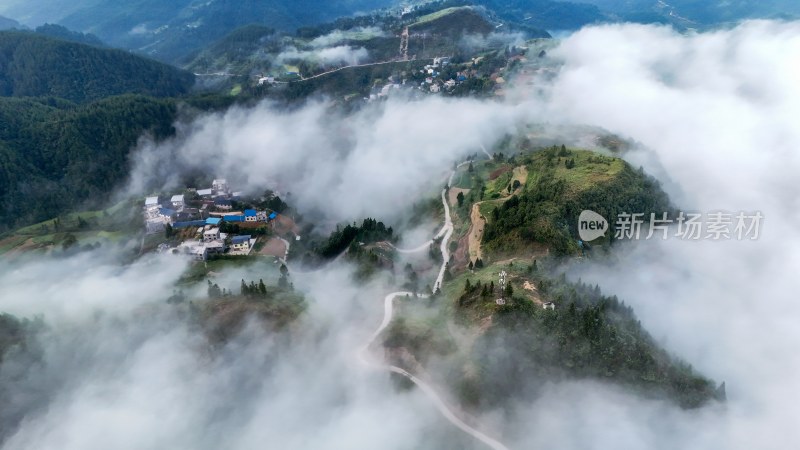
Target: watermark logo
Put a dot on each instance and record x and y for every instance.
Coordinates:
(591, 225)
(716, 226)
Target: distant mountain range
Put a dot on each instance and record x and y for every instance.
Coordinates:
(7, 24)
(32, 65)
(174, 31)
(169, 30)
(697, 13)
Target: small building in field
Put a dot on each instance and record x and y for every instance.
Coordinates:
(195, 249)
(151, 202)
(207, 193)
(199, 253)
(549, 305)
(240, 244)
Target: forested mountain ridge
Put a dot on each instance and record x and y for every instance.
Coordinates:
(33, 65)
(56, 156)
(6, 23)
(169, 31)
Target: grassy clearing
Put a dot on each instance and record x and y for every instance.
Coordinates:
(89, 227)
(590, 170)
(438, 15)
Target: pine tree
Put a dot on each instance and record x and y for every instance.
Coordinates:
(262, 288)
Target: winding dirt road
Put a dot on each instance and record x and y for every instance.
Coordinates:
(388, 311)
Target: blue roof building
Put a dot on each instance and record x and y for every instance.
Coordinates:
(213, 221)
(192, 223)
(272, 216)
(249, 212)
(240, 239)
(167, 212)
(234, 219)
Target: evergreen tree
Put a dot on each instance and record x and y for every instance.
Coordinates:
(262, 288)
(213, 290)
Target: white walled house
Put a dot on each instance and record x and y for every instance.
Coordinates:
(177, 201)
(220, 185)
(211, 235)
(240, 244)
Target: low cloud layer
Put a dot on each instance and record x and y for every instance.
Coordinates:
(378, 161)
(716, 113)
(339, 36)
(717, 110)
(476, 42)
(329, 56)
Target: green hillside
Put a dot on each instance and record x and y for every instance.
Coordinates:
(32, 65)
(510, 344)
(55, 156)
(455, 21)
(560, 184)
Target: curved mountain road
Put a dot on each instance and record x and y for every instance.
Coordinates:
(388, 311)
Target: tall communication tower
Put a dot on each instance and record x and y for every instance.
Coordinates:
(502, 284)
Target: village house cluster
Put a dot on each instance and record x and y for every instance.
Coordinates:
(206, 211)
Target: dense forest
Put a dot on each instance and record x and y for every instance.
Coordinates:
(588, 335)
(33, 65)
(369, 231)
(56, 156)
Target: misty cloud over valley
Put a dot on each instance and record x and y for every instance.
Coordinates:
(711, 114)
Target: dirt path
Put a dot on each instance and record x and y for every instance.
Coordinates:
(275, 247)
(476, 232)
(388, 311)
(478, 224)
(521, 175)
(452, 195)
